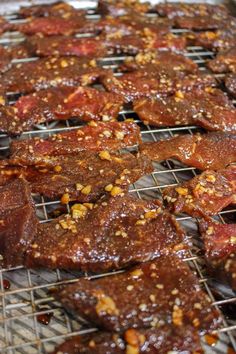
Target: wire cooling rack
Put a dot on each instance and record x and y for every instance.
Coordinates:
(30, 294)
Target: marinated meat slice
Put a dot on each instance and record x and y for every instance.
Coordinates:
(122, 7)
(212, 150)
(222, 39)
(85, 176)
(60, 46)
(220, 249)
(201, 22)
(230, 84)
(167, 41)
(12, 52)
(116, 233)
(18, 222)
(4, 25)
(59, 8)
(153, 81)
(224, 62)
(52, 25)
(5, 60)
(206, 194)
(50, 72)
(166, 60)
(85, 104)
(172, 9)
(144, 296)
(97, 137)
(209, 108)
(154, 340)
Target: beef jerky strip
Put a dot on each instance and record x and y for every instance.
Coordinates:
(145, 296)
(83, 103)
(160, 59)
(204, 22)
(18, 222)
(222, 39)
(122, 7)
(148, 341)
(213, 150)
(4, 25)
(230, 84)
(209, 108)
(96, 137)
(7, 54)
(153, 81)
(224, 62)
(50, 72)
(172, 10)
(220, 249)
(85, 176)
(60, 9)
(115, 233)
(206, 194)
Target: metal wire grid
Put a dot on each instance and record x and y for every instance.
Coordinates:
(29, 295)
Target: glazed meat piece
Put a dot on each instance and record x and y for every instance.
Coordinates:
(206, 194)
(18, 222)
(209, 108)
(153, 81)
(208, 151)
(4, 25)
(116, 233)
(97, 137)
(154, 340)
(85, 176)
(142, 297)
(222, 39)
(12, 52)
(166, 60)
(60, 46)
(230, 84)
(173, 9)
(220, 249)
(59, 8)
(224, 62)
(50, 72)
(83, 103)
(122, 7)
(200, 22)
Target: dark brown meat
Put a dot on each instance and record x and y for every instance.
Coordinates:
(18, 222)
(116, 233)
(50, 72)
(203, 22)
(83, 103)
(122, 7)
(97, 137)
(230, 84)
(59, 8)
(173, 9)
(215, 40)
(209, 108)
(143, 297)
(212, 150)
(153, 81)
(224, 62)
(4, 25)
(220, 249)
(206, 194)
(166, 60)
(149, 341)
(12, 52)
(85, 176)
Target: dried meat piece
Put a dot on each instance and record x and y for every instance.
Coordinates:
(4, 25)
(206, 194)
(85, 176)
(18, 223)
(151, 341)
(224, 62)
(220, 249)
(222, 39)
(153, 81)
(97, 137)
(12, 52)
(199, 23)
(59, 8)
(83, 103)
(122, 7)
(209, 108)
(116, 233)
(207, 151)
(230, 84)
(50, 72)
(145, 296)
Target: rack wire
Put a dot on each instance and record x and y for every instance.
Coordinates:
(30, 296)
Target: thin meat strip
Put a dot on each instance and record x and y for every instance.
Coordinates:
(110, 136)
(200, 23)
(206, 194)
(224, 62)
(59, 103)
(214, 150)
(145, 296)
(115, 233)
(220, 249)
(59, 8)
(230, 84)
(221, 39)
(122, 7)
(209, 108)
